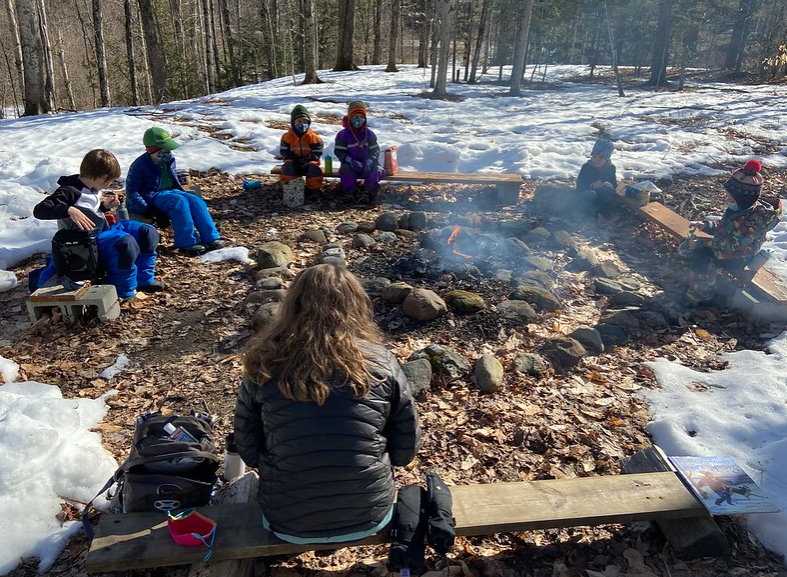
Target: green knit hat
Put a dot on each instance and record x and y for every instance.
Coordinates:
(300, 112)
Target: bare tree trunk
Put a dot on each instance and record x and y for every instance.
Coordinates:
(344, 58)
(101, 58)
(740, 31)
(377, 50)
(479, 41)
(182, 62)
(227, 27)
(445, 10)
(309, 43)
(32, 58)
(423, 36)
(614, 49)
(132, 65)
(49, 63)
(433, 46)
(658, 63)
(88, 52)
(520, 48)
(206, 31)
(396, 7)
(146, 75)
(155, 50)
(14, 25)
(64, 67)
(216, 53)
(273, 60)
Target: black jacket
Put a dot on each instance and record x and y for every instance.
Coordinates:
(72, 192)
(327, 470)
(590, 173)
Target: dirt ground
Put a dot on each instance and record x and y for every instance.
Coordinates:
(186, 345)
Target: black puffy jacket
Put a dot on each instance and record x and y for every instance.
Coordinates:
(327, 470)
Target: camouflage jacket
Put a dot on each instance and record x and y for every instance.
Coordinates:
(740, 233)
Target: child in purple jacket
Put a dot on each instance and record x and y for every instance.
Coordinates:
(357, 149)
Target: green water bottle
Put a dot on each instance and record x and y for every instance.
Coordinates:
(328, 164)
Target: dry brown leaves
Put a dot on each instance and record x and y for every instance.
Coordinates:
(185, 344)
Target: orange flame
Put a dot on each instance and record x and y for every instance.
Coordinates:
(452, 241)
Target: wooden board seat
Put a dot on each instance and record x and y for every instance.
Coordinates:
(766, 283)
(436, 177)
(141, 540)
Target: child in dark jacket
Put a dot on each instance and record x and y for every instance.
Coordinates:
(152, 185)
(357, 149)
(736, 237)
(597, 180)
(325, 413)
(301, 149)
(127, 249)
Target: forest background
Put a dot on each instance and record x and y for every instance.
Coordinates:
(83, 54)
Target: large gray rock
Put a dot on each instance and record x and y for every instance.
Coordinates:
(386, 236)
(537, 235)
(625, 318)
(418, 220)
(612, 335)
(465, 302)
(542, 298)
(606, 286)
(567, 351)
(404, 221)
(396, 292)
(589, 338)
(277, 271)
(269, 283)
(653, 319)
(517, 247)
(586, 259)
(488, 373)
(607, 269)
(366, 226)
(408, 234)
(540, 263)
(374, 286)
(315, 235)
(263, 316)
(424, 305)
(348, 227)
(361, 240)
(387, 221)
(419, 373)
(519, 311)
(274, 254)
(445, 361)
(535, 278)
(266, 295)
(627, 298)
(562, 239)
(529, 364)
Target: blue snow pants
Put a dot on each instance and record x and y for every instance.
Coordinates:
(127, 251)
(186, 211)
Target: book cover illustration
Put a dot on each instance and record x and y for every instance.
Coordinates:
(722, 486)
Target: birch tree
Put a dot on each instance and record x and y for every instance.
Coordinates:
(132, 65)
(396, 7)
(445, 10)
(520, 48)
(155, 50)
(309, 43)
(13, 23)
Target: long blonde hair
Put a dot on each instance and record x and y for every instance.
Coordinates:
(315, 336)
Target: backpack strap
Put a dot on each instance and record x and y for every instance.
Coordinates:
(169, 456)
(115, 478)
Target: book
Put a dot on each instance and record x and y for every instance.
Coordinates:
(722, 486)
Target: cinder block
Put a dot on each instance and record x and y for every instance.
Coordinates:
(508, 194)
(293, 192)
(102, 298)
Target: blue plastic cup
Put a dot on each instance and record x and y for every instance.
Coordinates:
(251, 184)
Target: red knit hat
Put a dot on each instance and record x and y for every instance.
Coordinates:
(745, 183)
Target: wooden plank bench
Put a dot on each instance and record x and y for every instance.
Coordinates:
(141, 540)
(507, 184)
(765, 284)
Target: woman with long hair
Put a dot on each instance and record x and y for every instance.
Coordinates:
(325, 413)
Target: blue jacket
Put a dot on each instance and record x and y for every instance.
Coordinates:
(142, 183)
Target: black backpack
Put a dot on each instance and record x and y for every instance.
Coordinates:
(75, 254)
(162, 474)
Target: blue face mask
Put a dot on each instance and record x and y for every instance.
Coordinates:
(164, 156)
(300, 128)
(357, 122)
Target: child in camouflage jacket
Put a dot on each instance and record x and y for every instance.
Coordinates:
(736, 237)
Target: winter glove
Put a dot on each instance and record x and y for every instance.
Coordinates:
(368, 166)
(409, 530)
(357, 165)
(440, 529)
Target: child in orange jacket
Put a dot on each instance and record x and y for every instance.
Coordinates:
(301, 150)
